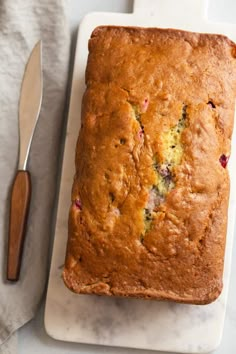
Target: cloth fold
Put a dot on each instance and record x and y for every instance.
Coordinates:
(10, 345)
(22, 24)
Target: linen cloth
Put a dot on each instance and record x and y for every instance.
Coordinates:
(22, 24)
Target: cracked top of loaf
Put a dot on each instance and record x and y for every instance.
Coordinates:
(150, 195)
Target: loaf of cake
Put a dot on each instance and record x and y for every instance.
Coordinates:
(150, 196)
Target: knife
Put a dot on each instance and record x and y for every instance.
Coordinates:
(29, 108)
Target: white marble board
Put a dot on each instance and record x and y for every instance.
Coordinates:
(163, 326)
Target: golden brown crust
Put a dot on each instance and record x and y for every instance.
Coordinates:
(148, 219)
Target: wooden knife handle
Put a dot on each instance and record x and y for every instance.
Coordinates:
(20, 201)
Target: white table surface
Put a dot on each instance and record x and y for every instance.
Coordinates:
(33, 338)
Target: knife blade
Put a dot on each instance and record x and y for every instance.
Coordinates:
(29, 108)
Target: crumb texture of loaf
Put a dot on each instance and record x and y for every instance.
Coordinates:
(150, 195)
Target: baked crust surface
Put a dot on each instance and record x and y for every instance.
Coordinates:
(150, 195)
